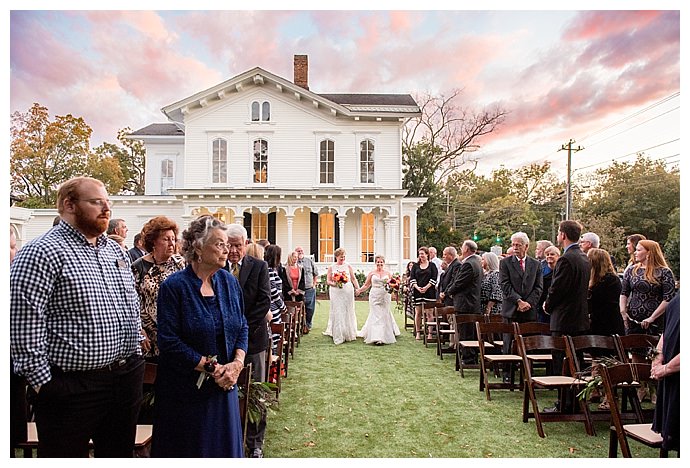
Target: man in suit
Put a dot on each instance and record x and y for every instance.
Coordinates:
(521, 285)
(450, 257)
(137, 251)
(567, 298)
(465, 288)
(252, 274)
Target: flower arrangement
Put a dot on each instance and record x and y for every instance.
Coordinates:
(340, 278)
(393, 284)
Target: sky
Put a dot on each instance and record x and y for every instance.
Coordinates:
(608, 79)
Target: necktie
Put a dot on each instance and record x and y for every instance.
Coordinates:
(236, 270)
(522, 264)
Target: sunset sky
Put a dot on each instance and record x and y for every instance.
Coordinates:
(608, 79)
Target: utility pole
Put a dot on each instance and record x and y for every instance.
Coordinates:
(569, 188)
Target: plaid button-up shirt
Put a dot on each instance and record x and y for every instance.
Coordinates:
(72, 305)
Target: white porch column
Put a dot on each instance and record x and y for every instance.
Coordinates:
(387, 239)
(239, 218)
(341, 228)
(290, 219)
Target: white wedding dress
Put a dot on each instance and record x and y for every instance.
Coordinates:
(342, 321)
(380, 326)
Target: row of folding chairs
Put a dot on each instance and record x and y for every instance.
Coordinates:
(290, 330)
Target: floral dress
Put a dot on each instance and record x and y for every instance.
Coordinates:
(148, 278)
(491, 291)
(644, 297)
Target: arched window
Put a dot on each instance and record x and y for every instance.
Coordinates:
(167, 176)
(260, 161)
(367, 237)
(366, 161)
(261, 111)
(327, 161)
(220, 161)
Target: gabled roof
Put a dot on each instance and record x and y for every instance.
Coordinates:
(160, 129)
(371, 106)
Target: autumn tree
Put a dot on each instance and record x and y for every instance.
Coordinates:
(132, 160)
(105, 165)
(45, 153)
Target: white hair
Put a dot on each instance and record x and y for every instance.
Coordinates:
(521, 236)
(236, 230)
(591, 237)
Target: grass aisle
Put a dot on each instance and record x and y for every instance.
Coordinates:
(400, 400)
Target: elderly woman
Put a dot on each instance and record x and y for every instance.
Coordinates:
(552, 255)
(202, 335)
(159, 236)
(491, 294)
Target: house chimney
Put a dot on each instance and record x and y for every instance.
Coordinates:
(302, 71)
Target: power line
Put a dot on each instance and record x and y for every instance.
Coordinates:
(634, 126)
(626, 155)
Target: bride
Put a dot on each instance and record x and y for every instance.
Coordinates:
(342, 321)
(380, 327)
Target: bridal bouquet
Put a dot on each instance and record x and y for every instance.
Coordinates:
(393, 285)
(340, 278)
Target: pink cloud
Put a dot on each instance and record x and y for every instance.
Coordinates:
(400, 21)
(594, 24)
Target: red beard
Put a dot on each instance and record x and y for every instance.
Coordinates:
(91, 227)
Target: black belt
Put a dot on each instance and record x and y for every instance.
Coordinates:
(117, 364)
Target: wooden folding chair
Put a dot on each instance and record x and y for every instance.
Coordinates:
(637, 343)
(445, 330)
(562, 384)
(542, 360)
(300, 318)
(492, 357)
(274, 368)
(613, 377)
(429, 322)
(286, 319)
(293, 317)
(243, 382)
(466, 344)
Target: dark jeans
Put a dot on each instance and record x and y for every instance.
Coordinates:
(100, 405)
(256, 432)
(310, 304)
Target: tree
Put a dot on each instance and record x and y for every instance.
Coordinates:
(132, 162)
(45, 153)
(105, 166)
(450, 131)
(672, 245)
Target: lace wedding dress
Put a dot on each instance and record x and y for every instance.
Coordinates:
(342, 321)
(380, 326)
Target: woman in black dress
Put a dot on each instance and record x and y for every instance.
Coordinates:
(604, 295)
(423, 283)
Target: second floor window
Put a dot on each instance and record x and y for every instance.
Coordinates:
(220, 161)
(327, 161)
(167, 176)
(261, 111)
(366, 161)
(260, 161)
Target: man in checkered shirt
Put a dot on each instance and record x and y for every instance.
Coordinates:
(75, 330)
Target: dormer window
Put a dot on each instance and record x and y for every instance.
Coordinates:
(261, 111)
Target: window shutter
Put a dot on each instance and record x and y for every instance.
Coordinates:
(272, 227)
(336, 233)
(248, 223)
(314, 235)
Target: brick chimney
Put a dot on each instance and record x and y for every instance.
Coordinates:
(301, 64)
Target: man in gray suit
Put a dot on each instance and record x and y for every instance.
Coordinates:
(521, 284)
(465, 288)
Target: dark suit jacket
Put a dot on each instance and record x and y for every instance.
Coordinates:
(135, 254)
(517, 284)
(466, 285)
(256, 290)
(446, 278)
(567, 299)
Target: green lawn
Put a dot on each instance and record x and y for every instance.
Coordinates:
(400, 400)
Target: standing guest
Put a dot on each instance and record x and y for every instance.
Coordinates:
(450, 256)
(119, 239)
(293, 290)
(138, 251)
(423, 285)
(406, 288)
(311, 277)
(272, 255)
(604, 294)
(256, 292)
(342, 320)
(255, 250)
(491, 295)
(433, 258)
(539, 250)
(465, 289)
(263, 243)
(119, 227)
(567, 299)
(75, 330)
(630, 245)
(159, 237)
(552, 255)
(666, 369)
(521, 283)
(200, 321)
(589, 240)
(380, 327)
(648, 286)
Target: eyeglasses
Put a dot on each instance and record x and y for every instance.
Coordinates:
(222, 246)
(97, 202)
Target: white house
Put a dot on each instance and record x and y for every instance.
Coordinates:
(295, 167)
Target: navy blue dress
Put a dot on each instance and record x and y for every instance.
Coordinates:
(188, 421)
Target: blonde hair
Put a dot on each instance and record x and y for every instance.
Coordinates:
(338, 252)
(292, 258)
(655, 260)
(255, 250)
